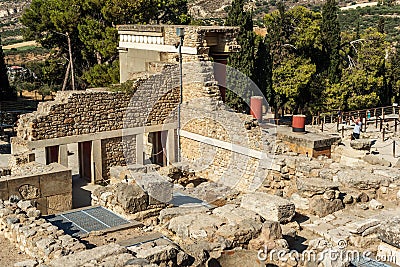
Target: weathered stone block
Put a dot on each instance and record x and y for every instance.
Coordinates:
(156, 186)
(84, 257)
(27, 263)
(56, 183)
(359, 227)
(361, 144)
(58, 203)
(363, 180)
(375, 160)
(271, 230)
(300, 202)
(315, 186)
(16, 187)
(270, 207)
(375, 204)
(169, 213)
(322, 207)
(389, 232)
(131, 197)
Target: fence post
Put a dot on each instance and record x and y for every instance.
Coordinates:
(383, 113)
(337, 125)
(365, 124)
(394, 110)
(376, 123)
(342, 131)
(383, 135)
(322, 127)
(394, 149)
(380, 127)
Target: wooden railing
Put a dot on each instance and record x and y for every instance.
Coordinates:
(346, 116)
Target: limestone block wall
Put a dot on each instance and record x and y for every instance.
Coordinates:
(221, 124)
(212, 120)
(49, 187)
(84, 112)
(74, 113)
(20, 224)
(115, 152)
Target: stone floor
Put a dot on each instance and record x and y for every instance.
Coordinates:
(349, 224)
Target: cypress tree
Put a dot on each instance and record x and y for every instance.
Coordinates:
(5, 89)
(330, 31)
(263, 69)
(242, 61)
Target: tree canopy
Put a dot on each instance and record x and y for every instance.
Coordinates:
(90, 25)
(6, 91)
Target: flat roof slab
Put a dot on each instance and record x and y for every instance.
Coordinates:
(307, 139)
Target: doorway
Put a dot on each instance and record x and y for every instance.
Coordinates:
(159, 153)
(85, 160)
(52, 154)
(220, 73)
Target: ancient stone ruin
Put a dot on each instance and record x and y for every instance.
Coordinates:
(228, 190)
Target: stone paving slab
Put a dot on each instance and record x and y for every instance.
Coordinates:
(321, 229)
(358, 227)
(140, 239)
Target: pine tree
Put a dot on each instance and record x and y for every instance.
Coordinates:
(5, 89)
(330, 31)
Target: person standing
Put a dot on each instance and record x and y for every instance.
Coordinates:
(357, 128)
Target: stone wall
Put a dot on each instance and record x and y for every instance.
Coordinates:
(20, 223)
(49, 187)
(209, 118)
(115, 151)
(84, 112)
(74, 113)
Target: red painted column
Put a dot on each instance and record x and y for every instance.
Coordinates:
(256, 107)
(299, 123)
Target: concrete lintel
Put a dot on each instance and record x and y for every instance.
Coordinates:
(159, 48)
(228, 146)
(138, 33)
(98, 136)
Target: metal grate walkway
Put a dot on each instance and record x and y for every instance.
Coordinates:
(76, 223)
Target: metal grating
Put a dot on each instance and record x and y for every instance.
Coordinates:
(179, 199)
(84, 221)
(367, 262)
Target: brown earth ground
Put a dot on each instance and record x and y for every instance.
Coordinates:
(9, 254)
